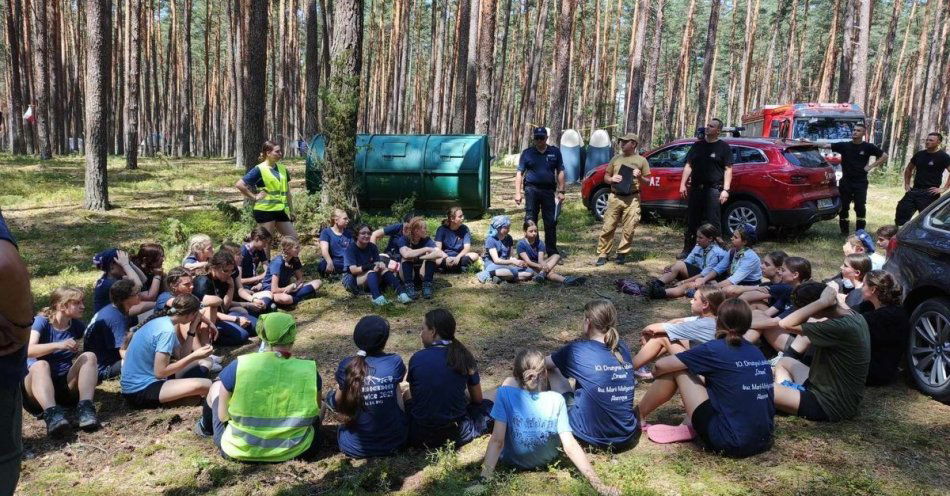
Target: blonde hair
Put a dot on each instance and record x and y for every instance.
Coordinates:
(288, 242)
(602, 315)
(197, 242)
(337, 213)
(712, 295)
(60, 298)
(529, 369)
(450, 214)
(415, 223)
(856, 243)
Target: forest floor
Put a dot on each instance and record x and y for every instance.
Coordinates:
(897, 445)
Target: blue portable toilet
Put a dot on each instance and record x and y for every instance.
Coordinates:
(599, 149)
(571, 144)
(316, 154)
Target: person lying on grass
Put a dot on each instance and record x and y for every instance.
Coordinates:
(697, 269)
(830, 389)
(265, 406)
(675, 336)
(531, 251)
(58, 375)
(531, 422)
(369, 395)
(150, 379)
(445, 402)
(726, 388)
(600, 406)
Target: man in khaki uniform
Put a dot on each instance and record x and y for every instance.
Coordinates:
(624, 174)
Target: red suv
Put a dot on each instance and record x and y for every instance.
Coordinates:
(775, 183)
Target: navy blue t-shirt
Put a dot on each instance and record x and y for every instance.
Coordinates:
(105, 335)
(251, 260)
(59, 361)
(532, 250)
(205, 285)
(405, 242)
(540, 169)
(253, 176)
(502, 245)
(602, 413)
(394, 231)
(337, 244)
(381, 427)
(453, 242)
(438, 392)
(13, 365)
(355, 255)
(100, 293)
(780, 298)
(284, 271)
(739, 383)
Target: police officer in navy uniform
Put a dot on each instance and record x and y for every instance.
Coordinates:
(926, 168)
(854, 176)
(541, 170)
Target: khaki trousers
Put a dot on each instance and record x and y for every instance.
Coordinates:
(625, 212)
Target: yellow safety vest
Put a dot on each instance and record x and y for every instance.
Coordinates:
(275, 189)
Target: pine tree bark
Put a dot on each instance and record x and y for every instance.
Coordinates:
(859, 81)
(562, 55)
(635, 63)
(882, 69)
(185, 102)
(847, 52)
(932, 97)
(461, 65)
(471, 75)
(41, 79)
(346, 53)
(649, 81)
(745, 75)
(132, 8)
(98, 44)
(831, 56)
(681, 72)
(312, 61)
(56, 85)
(486, 61)
(252, 15)
(706, 81)
(14, 93)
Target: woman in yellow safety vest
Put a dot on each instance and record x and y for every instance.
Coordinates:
(265, 407)
(272, 183)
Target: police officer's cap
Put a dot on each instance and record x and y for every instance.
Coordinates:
(540, 132)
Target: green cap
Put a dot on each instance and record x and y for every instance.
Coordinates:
(277, 328)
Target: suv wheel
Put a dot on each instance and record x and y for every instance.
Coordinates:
(744, 212)
(598, 202)
(928, 348)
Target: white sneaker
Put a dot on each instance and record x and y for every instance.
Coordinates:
(215, 358)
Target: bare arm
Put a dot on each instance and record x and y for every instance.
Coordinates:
(667, 365)
(475, 394)
(687, 171)
(579, 458)
(495, 445)
(908, 175)
(245, 190)
(37, 350)
(16, 300)
(879, 161)
(376, 236)
(527, 260)
(163, 368)
(793, 322)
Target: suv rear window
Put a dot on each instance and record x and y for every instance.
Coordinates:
(804, 157)
(940, 218)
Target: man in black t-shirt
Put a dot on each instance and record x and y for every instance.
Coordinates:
(926, 167)
(854, 176)
(709, 165)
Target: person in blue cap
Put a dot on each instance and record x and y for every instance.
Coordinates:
(114, 265)
(541, 175)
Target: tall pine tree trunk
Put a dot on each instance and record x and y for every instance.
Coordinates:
(635, 75)
(342, 106)
(98, 72)
(562, 57)
(461, 65)
(859, 81)
(312, 61)
(132, 85)
(253, 80)
(14, 93)
(847, 52)
(41, 79)
(708, 56)
(649, 81)
(486, 61)
(681, 70)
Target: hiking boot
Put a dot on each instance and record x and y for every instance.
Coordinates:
(381, 300)
(540, 277)
(427, 290)
(404, 298)
(621, 259)
(657, 290)
(410, 290)
(200, 430)
(574, 280)
(56, 423)
(601, 261)
(86, 413)
(497, 280)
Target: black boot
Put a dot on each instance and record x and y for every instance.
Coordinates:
(860, 224)
(845, 226)
(56, 423)
(86, 413)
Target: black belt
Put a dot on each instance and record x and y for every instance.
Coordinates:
(542, 186)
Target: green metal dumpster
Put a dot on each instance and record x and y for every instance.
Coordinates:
(442, 171)
(316, 153)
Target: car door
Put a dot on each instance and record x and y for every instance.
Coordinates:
(666, 171)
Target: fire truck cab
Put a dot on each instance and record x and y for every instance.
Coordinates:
(822, 123)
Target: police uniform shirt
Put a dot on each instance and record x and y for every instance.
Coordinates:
(929, 167)
(541, 168)
(854, 158)
(635, 161)
(709, 162)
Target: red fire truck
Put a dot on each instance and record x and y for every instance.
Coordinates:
(822, 123)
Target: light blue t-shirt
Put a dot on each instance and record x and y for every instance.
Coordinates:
(138, 369)
(534, 420)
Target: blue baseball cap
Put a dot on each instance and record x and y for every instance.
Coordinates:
(540, 132)
(866, 240)
(103, 260)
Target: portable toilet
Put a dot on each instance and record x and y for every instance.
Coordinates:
(599, 149)
(571, 145)
(316, 154)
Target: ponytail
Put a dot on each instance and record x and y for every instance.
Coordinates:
(180, 305)
(602, 315)
(529, 369)
(733, 320)
(266, 148)
(885, 287)
(459, 358)
(352, 388)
